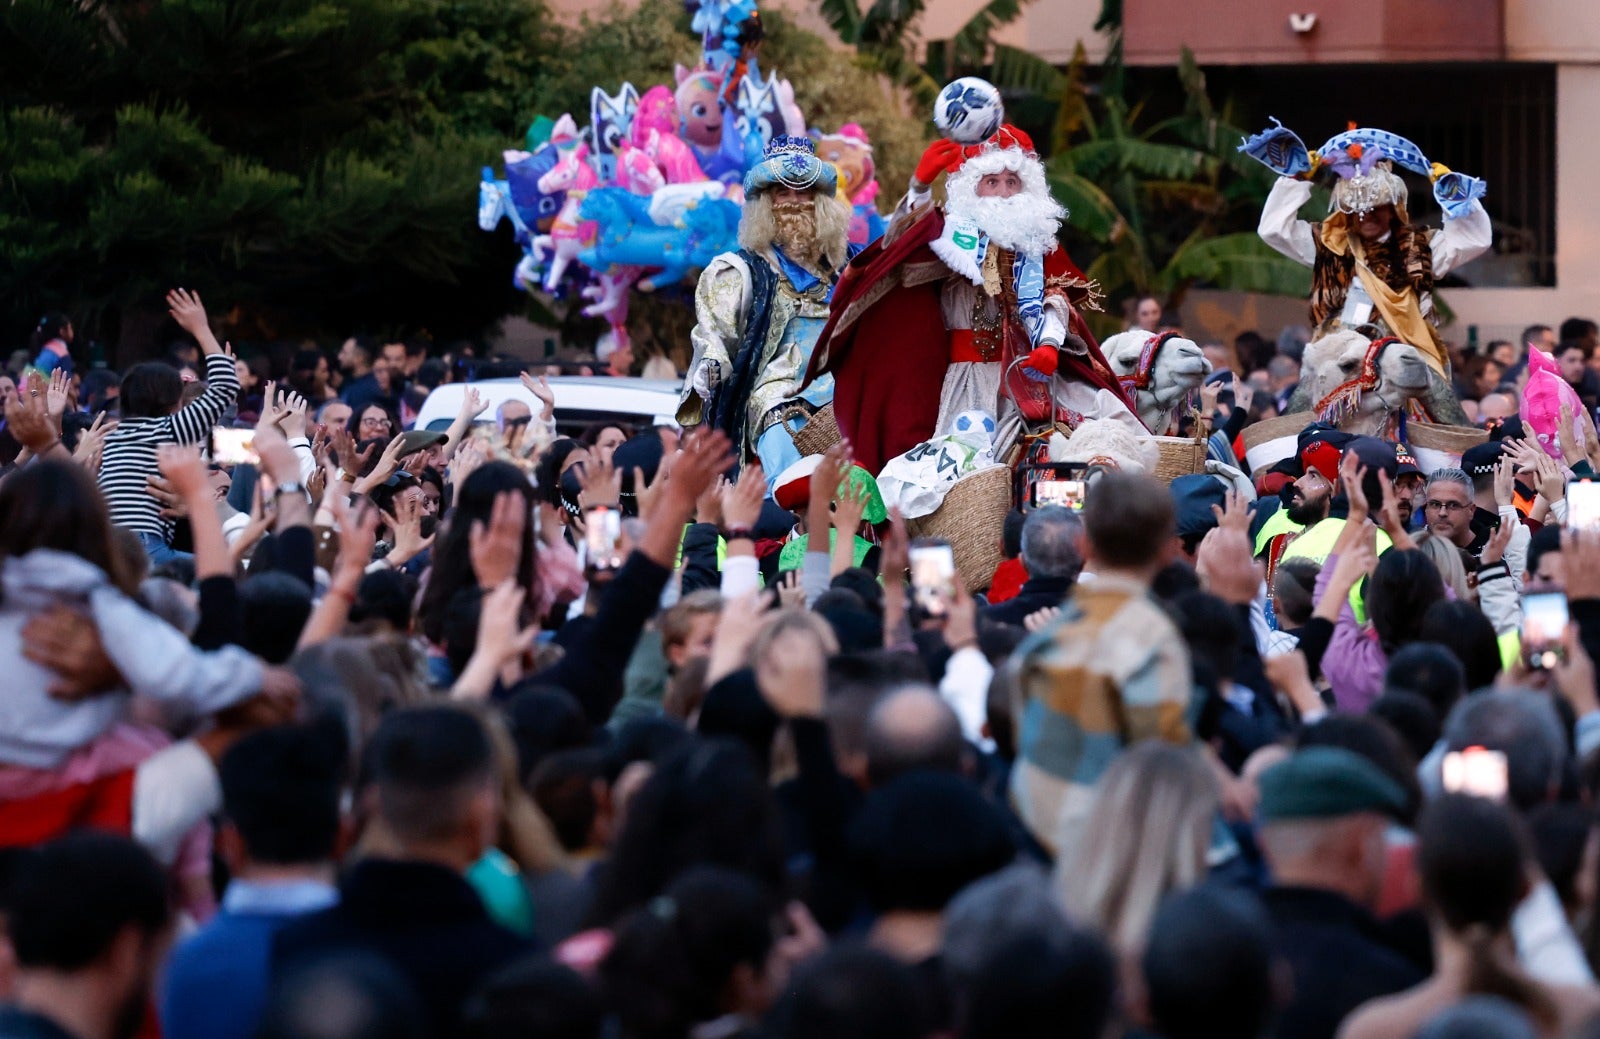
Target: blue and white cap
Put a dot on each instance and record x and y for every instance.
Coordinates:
(791, 162)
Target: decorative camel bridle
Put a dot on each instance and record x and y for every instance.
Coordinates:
(1345, 398)
(1139, 379)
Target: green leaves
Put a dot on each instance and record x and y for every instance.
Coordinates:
(1242, 262)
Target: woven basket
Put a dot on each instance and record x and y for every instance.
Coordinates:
(819, 433)
(1180, 456)
(1454, 440)
(971, 517)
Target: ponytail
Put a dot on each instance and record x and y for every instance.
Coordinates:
(1489, 975)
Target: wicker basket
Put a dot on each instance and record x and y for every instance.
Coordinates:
(1180, 456)
(1453, 440)
(971, 517)
(819, 433)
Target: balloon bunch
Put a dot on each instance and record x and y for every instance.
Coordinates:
(650, 190)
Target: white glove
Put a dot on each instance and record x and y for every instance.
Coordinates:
(707, 378)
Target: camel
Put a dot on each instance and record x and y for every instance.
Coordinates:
(1157, 371)
(1362, 390)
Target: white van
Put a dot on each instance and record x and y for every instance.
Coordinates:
(580, 401)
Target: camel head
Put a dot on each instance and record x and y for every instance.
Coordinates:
(1353, 391)
(1159, 381)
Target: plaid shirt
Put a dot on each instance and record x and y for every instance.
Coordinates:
(1111, 671)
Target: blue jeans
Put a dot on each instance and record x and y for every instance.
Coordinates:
(159, 551)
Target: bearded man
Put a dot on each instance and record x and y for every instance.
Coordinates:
(969, 308)
(758, 311)
(1370, 263)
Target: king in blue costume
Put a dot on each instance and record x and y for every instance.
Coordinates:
(758, 310)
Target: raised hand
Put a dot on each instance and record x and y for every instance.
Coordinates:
(1233, 513)
(540, 388)
(187, 310)
(850, 504)
(57, 395)
(601, 484)
(185, 473)
(405, 528)
(92, 442)
(28, 421)
(388, 463)
(496, 549)
(473, 404)
(741, 502)
(705, 456)
(1227, 566)
(294, 415)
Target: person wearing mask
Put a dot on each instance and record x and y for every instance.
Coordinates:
(1321, 821)
(431, 776)
(1474, 866)
(280, 802)
(88, 923)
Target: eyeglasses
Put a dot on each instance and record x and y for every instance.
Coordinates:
(1445, 506)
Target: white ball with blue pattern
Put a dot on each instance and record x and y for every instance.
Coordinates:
(969, 110)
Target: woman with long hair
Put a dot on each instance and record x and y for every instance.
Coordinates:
(1147, 836)
(1474, 864)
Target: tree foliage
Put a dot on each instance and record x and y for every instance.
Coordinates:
(302, 160)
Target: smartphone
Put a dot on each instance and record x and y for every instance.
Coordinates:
(1583, 505)
(1477, 772)
(1544, 622)
(233, 446)
(1068, 493)
(602, 535)
(933, 575)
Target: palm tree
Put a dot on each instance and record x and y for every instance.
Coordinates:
(884, 35)
(1155, 208)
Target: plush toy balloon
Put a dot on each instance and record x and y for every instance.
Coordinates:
(625, 235)
(709, 127)
(851, 155)
(655, 129)
(1541, 404)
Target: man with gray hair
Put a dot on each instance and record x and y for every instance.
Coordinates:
(1053, 557)
(1461, 506)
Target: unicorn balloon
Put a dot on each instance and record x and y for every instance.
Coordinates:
(569, 234)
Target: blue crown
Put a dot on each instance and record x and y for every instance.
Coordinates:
(783, 144)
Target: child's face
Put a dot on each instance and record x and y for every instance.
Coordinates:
(702, 629)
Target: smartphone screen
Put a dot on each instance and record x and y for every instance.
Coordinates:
(1067, 493)
(933, 575)
(1475, 771)
(1583, 505)
(233, 446)
(602, 532)
(1544, 622)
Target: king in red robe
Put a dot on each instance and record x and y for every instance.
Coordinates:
(971, 307)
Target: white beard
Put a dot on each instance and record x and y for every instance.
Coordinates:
(1024, 223)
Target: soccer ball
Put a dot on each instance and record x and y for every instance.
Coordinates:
(970, 422)
(969, 110)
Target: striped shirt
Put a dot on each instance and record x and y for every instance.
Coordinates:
(129, 459)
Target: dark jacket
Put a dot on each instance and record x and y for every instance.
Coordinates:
(1340, 957)
(1037, 593)
(423, 918)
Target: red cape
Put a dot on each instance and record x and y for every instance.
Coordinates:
(888, 349)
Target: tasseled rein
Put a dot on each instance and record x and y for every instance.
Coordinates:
(1140, 378)
(1345, 400)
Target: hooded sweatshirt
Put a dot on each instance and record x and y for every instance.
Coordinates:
(154, 659)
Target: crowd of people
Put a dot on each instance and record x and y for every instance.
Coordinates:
(371, 735)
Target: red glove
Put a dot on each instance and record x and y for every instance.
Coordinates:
(936, 158)
(1043, 360)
